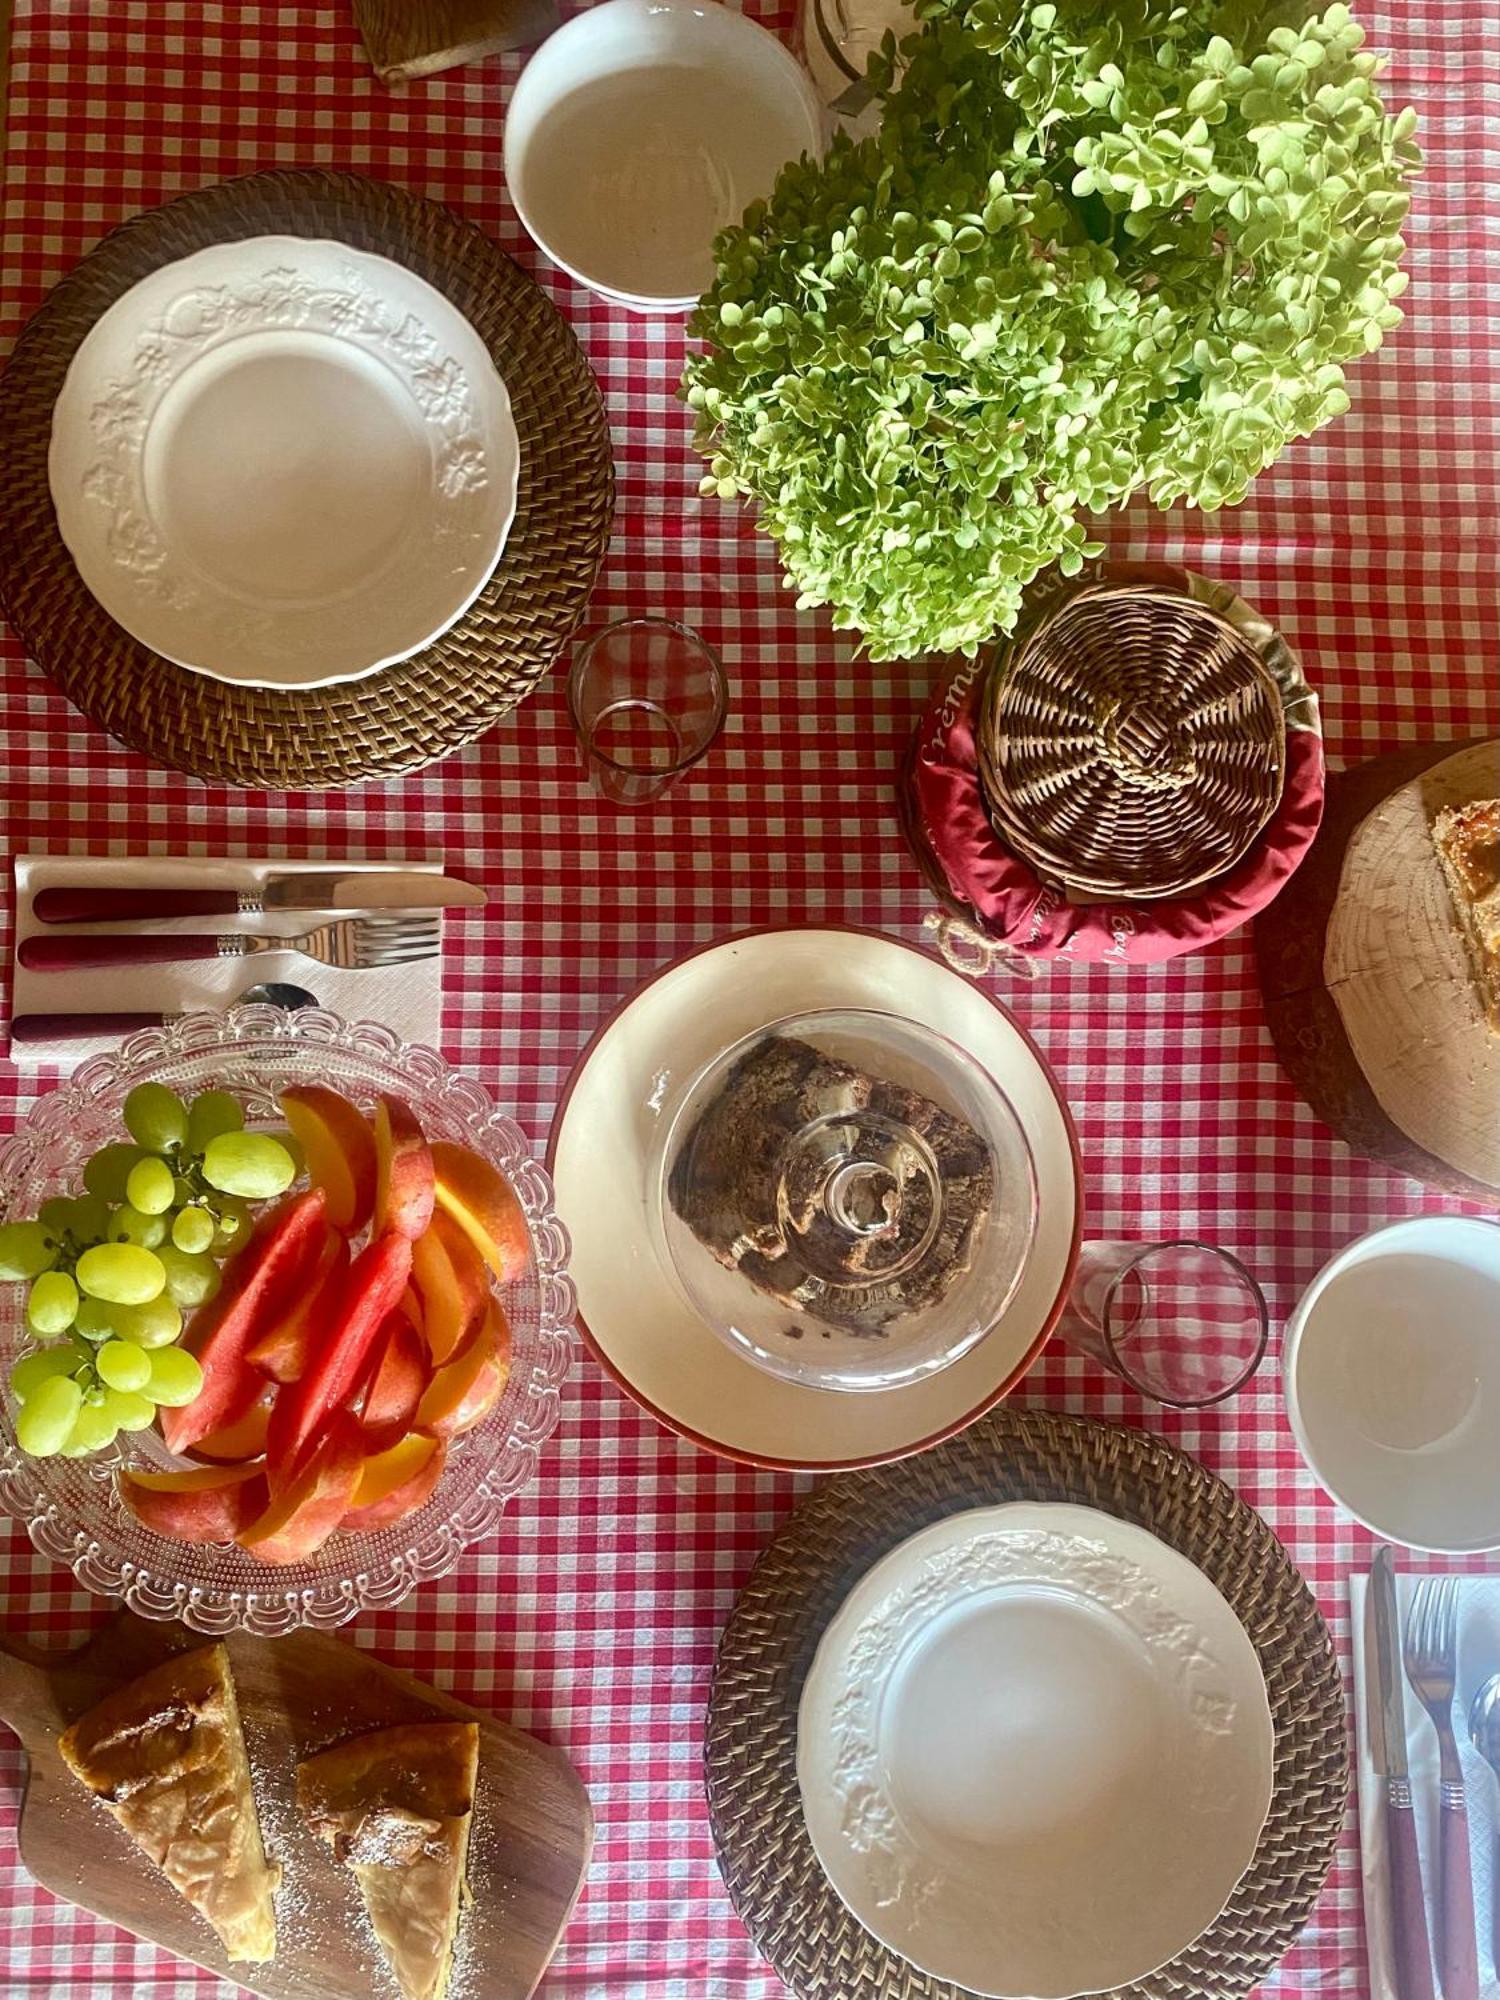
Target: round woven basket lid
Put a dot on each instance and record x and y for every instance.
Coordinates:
(406, 715)
(1131, 740)
(794, 1915)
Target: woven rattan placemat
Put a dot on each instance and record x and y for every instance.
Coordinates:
(392, 721)
(795, 1917)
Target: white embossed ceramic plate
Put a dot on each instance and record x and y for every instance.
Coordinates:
(284, 462)
(1035, 1751)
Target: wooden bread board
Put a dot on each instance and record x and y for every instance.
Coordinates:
(528, 1853)
(1368, 995)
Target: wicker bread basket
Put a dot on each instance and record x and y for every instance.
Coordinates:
(1131, 741)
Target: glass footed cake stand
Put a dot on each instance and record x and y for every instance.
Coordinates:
(847, 1198)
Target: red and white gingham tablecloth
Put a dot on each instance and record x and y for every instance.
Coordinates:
(592, 1616)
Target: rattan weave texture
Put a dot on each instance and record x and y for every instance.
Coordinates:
(844, 1526)
(1131, 741)
(406, 715)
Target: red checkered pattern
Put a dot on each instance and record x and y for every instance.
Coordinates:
(591, 1617)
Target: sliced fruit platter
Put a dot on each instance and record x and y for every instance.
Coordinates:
(270, 1319)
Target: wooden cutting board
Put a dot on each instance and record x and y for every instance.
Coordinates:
(1368, 993)
(528, 1853)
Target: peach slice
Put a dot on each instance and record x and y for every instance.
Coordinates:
(403, 1170)
(484, 1205)
(310, 1506)
(464, 1391)
(385, 1471)
(205, 1503)
(282, 1352)
(411, 1303)
(453, 1284)
(340, 1150)
(395, 1483)
(239, 1441)
(399, 1372)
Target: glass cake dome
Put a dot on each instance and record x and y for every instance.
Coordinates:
(847, 1198)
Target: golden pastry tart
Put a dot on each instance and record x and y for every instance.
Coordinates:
(166, 1755)
(395, 1806)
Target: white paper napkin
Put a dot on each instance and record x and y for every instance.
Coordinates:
(407, 999)
(1478, 1658)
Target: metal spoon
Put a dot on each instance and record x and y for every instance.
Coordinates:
(77, 1027)
(1484, 1729)
(277, 993)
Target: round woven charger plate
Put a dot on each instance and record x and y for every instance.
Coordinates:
(1131, 740)
(845, 1525)
(406, 715)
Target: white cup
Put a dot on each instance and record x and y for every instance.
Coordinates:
(1391, 1365)
(642, 128)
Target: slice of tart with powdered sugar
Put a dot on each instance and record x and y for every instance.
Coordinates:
(396, 1805)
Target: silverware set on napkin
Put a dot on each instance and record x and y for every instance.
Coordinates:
(353, 944)
(1426, 1652)
(398, 920)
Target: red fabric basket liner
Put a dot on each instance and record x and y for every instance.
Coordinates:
(1005, 898)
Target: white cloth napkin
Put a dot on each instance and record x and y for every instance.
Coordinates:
(407, 999)
(1478, 1658)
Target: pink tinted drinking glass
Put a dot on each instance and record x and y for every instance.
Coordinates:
(648, 699)
(1182, 1322)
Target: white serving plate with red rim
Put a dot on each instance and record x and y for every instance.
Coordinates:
(631, 1314)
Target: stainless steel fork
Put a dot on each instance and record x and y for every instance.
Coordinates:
(1430, 1648)
(351, 943)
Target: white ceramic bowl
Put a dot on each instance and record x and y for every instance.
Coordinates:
(1392, 1371)
(641, 129)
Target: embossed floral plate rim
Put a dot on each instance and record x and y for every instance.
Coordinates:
(70, 1508)
(401, 332)
(905, 1886)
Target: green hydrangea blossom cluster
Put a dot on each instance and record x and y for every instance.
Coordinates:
(1097, 245)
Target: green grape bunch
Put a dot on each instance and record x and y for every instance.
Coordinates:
(112, 1271)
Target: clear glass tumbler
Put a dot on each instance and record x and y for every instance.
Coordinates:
(837, 39)
(1183, 1322)
(648, 699)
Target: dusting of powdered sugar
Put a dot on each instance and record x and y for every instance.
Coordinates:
(273, 1777)
(319, 1893)
(390, 1837)
(487, 1908)
(322, 1726)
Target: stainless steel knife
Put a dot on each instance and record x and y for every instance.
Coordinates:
(1385, 1728)
(370, 889)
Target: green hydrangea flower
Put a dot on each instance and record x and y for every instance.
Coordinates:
(1097, 245)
